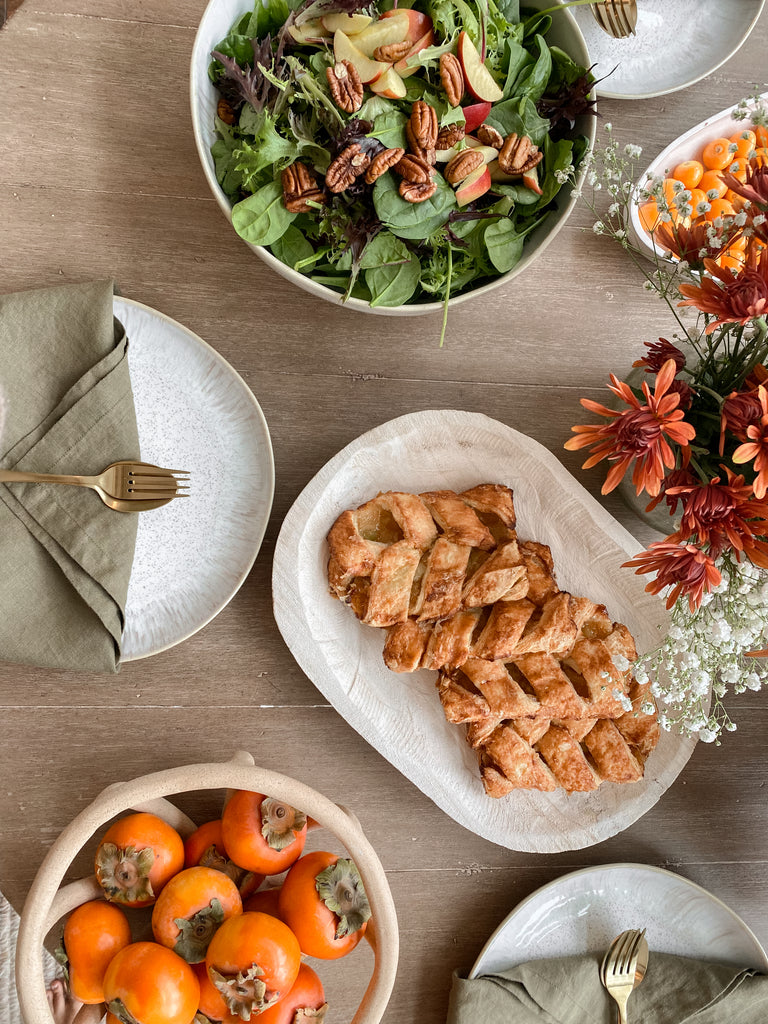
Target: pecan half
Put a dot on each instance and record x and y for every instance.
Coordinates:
(427, 154)
(393, 52)
(348, 165)
(382, 162)
(417, 192)
(423, 125)
(413, 169)
(225, 112)
(518, 154)
(345, 85)
(489, 136)
(462, 165)
(299, 188)
(452, 78)
(448, 137)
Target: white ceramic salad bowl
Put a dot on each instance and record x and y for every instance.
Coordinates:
(215, 24)
(687, 146)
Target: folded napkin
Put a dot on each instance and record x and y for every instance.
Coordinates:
(66, 407)
(568, 991)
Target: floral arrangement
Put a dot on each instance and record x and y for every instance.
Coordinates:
(690, 429)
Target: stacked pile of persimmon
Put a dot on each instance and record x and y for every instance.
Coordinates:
(223, 949)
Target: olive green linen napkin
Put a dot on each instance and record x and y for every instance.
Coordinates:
(67, 407)
(568, 991)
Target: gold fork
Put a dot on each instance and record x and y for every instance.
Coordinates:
(616, 17)
(124, 486)
(617, 971)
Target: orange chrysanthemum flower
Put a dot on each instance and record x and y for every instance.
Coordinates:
(755, 449)
(698, 242)
(738, 299)
(683, 567)
(724, 515)
(638, 435)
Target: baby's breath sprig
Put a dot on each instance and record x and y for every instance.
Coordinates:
(705, 653)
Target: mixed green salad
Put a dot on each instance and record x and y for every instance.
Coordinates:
(277, 108)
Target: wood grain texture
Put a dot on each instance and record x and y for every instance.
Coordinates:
(99, 177)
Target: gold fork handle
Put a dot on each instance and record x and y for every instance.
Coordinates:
(622, 1005)
(16, 476)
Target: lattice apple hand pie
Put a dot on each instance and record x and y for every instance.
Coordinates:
(540, 679)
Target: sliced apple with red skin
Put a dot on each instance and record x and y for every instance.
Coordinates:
(311, 33)
(531, 180)
(402, 67)
(474, 185)
(350, 24)
(475, 115)
(469, 142)
(389, 85)
(479, 79)
(418, 24)
(382, 33)
(369, 70)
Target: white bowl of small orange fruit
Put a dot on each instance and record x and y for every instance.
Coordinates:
(180, 923)
(691, 170)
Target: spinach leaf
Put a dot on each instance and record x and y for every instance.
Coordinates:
(373, 107)
(533, 83)
(412, 220)
(394, 283)
(516, 59)
(504, 244)
(262, 218)
(536, 22)
(384, 248)
(293, 248)
(557, 156)
(389, 129)
(519, 194)
(535, 127)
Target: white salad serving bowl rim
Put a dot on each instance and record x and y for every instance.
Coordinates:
(204, 136)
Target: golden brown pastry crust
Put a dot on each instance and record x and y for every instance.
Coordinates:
(539, 679)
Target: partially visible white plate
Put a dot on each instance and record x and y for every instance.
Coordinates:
(194, 412)
(400, 715)
(677, 43)
(584, 911)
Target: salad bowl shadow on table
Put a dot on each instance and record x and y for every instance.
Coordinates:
(562, 37)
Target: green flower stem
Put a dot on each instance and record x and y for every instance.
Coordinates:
(447, 293)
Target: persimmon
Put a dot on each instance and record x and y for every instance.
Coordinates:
(307, 996)
(323, 902)
(253, 960)
(267, 902)
(94, 933)
(149, 984)
(261, 833)
(205, 847)
(191, 907)
(211, 1002)
(136, 857)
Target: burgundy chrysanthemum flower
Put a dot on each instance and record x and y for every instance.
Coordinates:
(754, 187)
(638, 435)
(740, 410)
(683, 567)
(686, 392)
(658, 353)
(724, 515)
(738, 299)
(755, 449)
(668, 491)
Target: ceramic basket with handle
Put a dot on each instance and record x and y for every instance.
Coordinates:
(48, 901)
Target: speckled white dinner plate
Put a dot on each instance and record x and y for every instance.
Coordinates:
(195, 413)
(401, 715)
(584, 911)
(677, 43)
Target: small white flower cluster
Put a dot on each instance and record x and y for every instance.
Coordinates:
(705, 653)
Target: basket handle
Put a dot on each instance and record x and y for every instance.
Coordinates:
(45, 896)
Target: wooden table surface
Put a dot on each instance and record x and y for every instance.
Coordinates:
(99, 176)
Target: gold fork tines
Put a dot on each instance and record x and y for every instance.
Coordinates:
(125, 486)
(616, 17)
